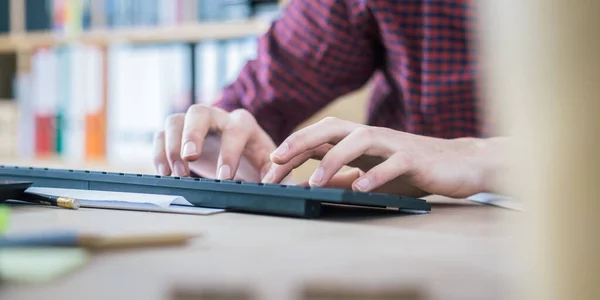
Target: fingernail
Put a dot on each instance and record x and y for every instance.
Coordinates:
(268, 177)
(179, 169)
(224, 172)
(363, 184)
(162, 170)
(189, 149)
(281, 150)
(317, 176)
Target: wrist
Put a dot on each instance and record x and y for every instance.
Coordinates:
(491, 160)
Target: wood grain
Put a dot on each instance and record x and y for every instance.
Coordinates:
(458, 251)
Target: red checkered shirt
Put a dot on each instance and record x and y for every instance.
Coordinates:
(419, 54)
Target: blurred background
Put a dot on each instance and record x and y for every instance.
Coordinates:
(85, 84)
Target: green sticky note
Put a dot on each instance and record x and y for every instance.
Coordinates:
(36, 265)
(4, 214)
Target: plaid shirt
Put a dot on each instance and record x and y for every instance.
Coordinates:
(418, 54)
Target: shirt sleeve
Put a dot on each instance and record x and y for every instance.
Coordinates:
(315, 52)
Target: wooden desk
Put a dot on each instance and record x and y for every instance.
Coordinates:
(459, 251)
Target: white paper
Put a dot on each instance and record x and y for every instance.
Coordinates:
(498, 200)
(128, 201)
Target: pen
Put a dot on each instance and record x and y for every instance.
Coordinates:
(71, 238)
(64, 202)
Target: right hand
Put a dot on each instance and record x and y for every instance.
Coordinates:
(185, 144)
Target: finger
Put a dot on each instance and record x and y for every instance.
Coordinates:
(199, 120)
(357, 143)
(161, 163)
(329, 130)
(304, 183)
(341, 180)
(173, 131)
(258, 149)
(344, 180)
(234, 138)
(364, 162)
(398, 164)
(321, 151)
(278, 172)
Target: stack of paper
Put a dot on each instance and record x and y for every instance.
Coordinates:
(498, 200)
(128, 201)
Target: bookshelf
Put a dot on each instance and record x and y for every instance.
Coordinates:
(344, 108)
(10, 43)
(196, 41)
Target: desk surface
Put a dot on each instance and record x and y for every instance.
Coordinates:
(461, 250)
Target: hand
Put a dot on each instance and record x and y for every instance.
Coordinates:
(387, 160)
(398, 185)
(189, 142)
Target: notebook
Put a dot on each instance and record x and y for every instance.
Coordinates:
(128, 201)
(40, 264)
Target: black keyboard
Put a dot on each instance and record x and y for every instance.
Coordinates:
(241, 196)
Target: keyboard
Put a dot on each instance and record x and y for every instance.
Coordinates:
(237, 196)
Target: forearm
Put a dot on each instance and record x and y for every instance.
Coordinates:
(304, 61)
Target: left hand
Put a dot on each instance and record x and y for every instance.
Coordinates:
(394, 161)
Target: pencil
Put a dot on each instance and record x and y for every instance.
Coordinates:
(42, 199)
(97, 242)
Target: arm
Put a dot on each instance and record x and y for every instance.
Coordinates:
(317, 51)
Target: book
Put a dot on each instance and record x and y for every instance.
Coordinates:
(4, 16)
(140, 99)
(74, 130)
(208, 71)
(72, 17)
(34, 265)
(128, 201)
(45, 100)
(25, 130)
(95, 103)
(63, 80)
(39, 15)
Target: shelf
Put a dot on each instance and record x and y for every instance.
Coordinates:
(164, 34)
